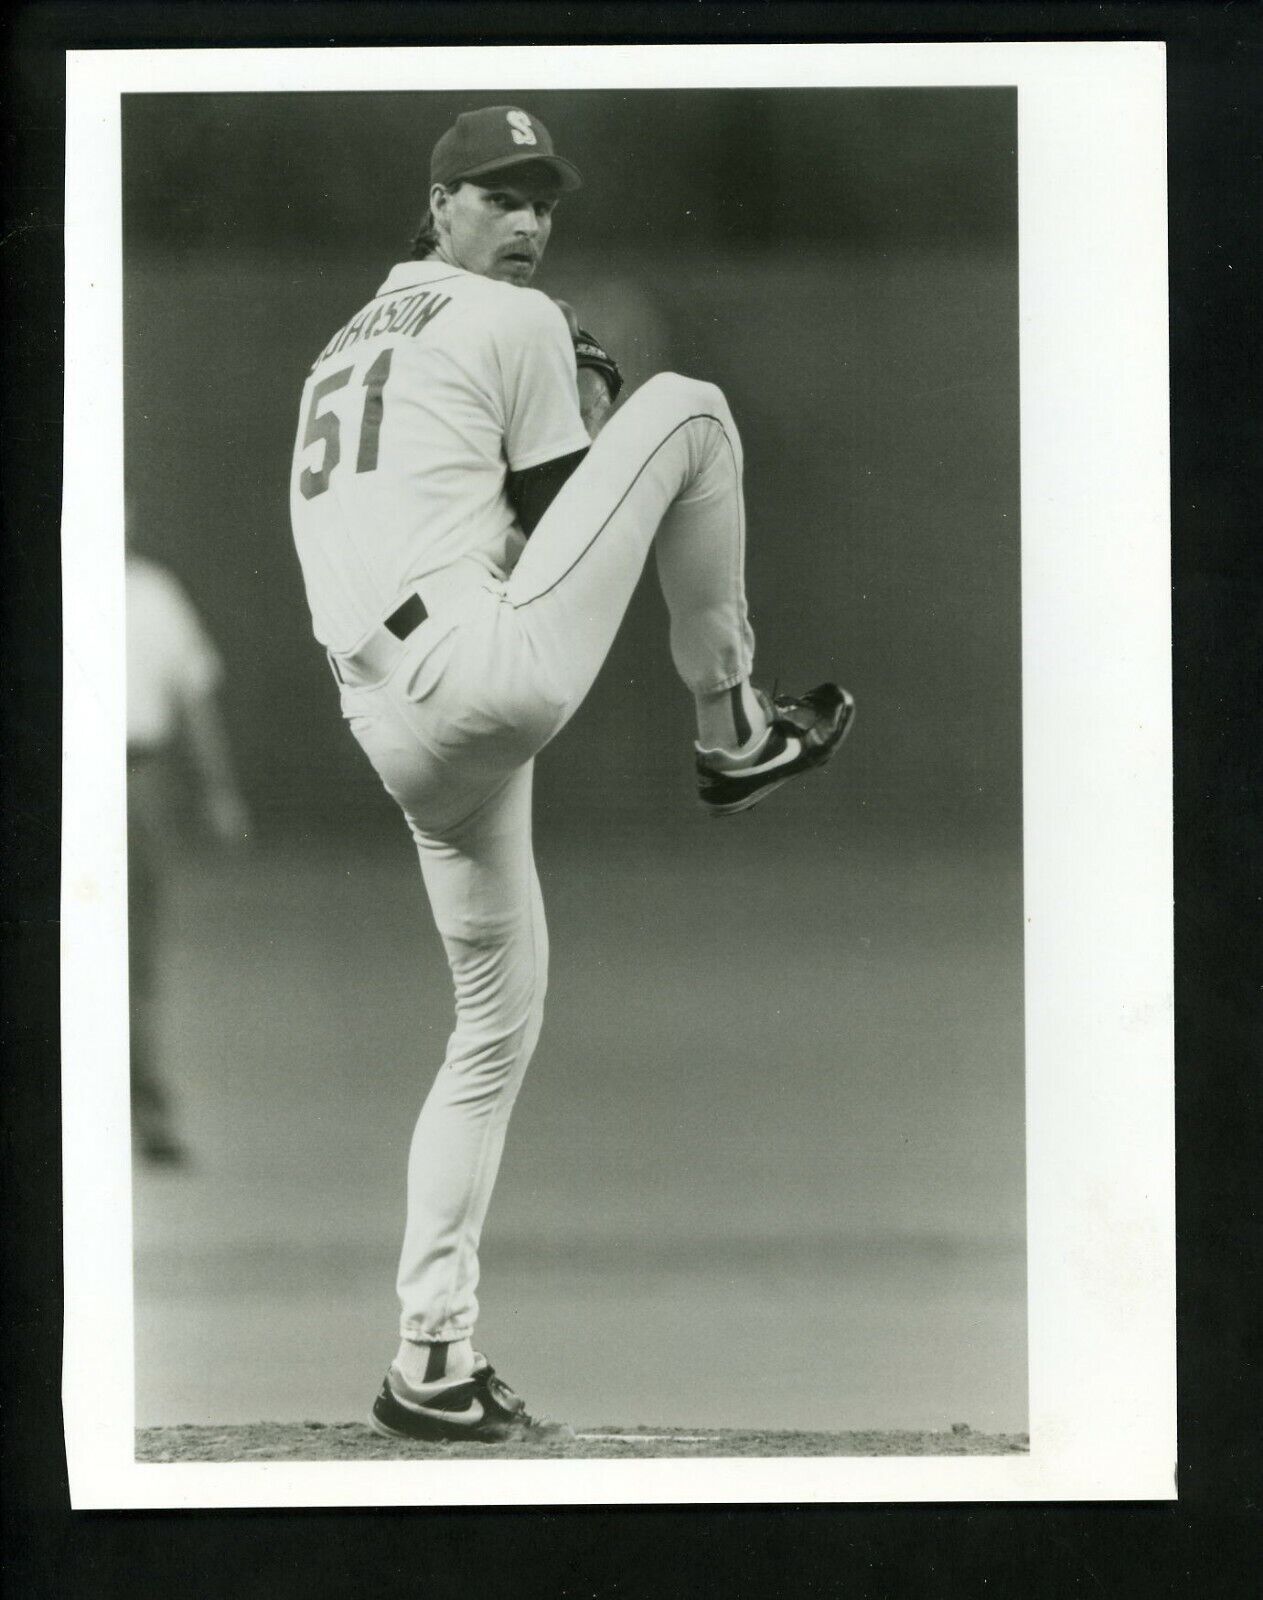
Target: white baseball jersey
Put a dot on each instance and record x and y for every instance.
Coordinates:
(412, 417)
(170, 659)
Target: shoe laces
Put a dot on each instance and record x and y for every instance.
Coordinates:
(503, 1396)
(780, 703)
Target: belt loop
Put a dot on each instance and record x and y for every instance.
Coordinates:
(373, 658)
(407, 618)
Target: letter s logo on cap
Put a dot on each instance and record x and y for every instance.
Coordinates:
(523, 133)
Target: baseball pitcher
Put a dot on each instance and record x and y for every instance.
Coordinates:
(472, 515)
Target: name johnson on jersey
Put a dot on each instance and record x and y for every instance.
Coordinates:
(401, 314)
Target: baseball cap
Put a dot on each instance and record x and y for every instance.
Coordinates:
(497, 136)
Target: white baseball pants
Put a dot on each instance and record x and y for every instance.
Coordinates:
(452, 731)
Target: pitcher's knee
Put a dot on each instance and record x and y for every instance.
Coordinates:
(499, 1005)
(672, 391)
(489, 1059)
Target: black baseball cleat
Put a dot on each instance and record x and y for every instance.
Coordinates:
(479, 1409)
(803, 735)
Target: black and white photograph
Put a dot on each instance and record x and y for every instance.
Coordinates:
(607, 908)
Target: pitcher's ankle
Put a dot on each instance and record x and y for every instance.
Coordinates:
(420, 1363)
(733, 721)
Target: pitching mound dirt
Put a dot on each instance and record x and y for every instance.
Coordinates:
(354, 1441)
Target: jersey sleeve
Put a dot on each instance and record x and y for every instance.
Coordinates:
(541, 395)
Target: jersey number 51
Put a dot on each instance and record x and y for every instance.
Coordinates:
(325, 425)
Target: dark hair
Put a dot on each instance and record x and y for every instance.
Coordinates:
(426, 239)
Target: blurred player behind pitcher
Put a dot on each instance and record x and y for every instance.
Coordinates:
(173, 677)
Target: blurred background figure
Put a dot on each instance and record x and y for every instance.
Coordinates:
(175, 737)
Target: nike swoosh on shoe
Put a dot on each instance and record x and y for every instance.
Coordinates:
(467, 1416)
(786, 748)
(791, 749)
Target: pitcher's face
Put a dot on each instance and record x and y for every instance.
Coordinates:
(499, 232)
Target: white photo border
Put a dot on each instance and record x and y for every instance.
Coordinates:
(1096, 768)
